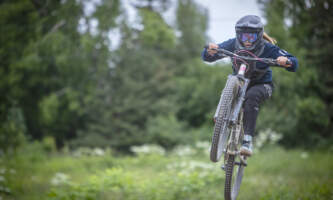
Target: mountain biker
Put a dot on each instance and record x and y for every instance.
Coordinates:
(251, 38)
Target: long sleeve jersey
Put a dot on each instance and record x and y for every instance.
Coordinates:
(270, 51)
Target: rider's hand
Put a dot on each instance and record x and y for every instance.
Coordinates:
(210, 48)
(283, 61)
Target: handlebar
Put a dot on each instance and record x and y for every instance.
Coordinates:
(269, 61)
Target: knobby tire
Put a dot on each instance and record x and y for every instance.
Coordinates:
(221, 133)
(228, 177)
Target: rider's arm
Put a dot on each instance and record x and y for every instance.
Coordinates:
(277, 52)
(228, 45)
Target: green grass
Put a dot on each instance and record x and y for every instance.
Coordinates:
(273, 173)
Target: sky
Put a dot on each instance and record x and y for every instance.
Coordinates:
(223, 15)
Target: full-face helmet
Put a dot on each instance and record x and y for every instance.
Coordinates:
(249, 29)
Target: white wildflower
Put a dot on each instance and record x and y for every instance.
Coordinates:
(200, 165)
(171, 166)
(274, 137)
(2, 179)
(184, 151)
(267, 136)
(4, 189)
(148, 149)
(86, 151)
(82, 151)
(59, 178)
(2, 170)
(186, 168)
(304, 155)
(98, 152)
(7, 190)
(202, 144)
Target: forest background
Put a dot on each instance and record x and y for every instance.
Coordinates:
(65, 85)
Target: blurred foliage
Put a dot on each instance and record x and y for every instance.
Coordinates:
(186, 173)
(167, 131)
(301, 106)
(49, 144)
(64, 74)
(195, 101)
(192, 23)
(156, 32)
(12, 132)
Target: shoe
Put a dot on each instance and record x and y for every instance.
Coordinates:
(246, 148)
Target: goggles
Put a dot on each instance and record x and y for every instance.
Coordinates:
(251, 37)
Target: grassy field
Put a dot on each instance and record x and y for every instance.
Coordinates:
(185, 173)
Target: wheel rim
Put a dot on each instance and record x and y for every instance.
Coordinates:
(238, 180)
(222, 142)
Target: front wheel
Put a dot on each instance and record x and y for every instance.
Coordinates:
(221, 130)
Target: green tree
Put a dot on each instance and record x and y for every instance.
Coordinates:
(199, 84)
(13, 16)
(313, 28)
(302, 100)
(50, 69)
(140, 83)
(192, 24)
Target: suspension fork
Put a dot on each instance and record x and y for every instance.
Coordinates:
(241, 98)
(233, 119)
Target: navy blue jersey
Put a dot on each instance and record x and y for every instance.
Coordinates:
(270, 51)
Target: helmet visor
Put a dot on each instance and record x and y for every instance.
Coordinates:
(250, 37)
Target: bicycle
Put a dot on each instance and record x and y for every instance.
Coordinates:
(228, 129)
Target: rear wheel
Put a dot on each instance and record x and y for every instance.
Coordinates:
(221, 130)
(233, 178)
(235, 163)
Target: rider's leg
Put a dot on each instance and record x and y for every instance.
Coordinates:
(255, 95)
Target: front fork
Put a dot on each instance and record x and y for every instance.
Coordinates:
(233, 119)
(240, 99)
